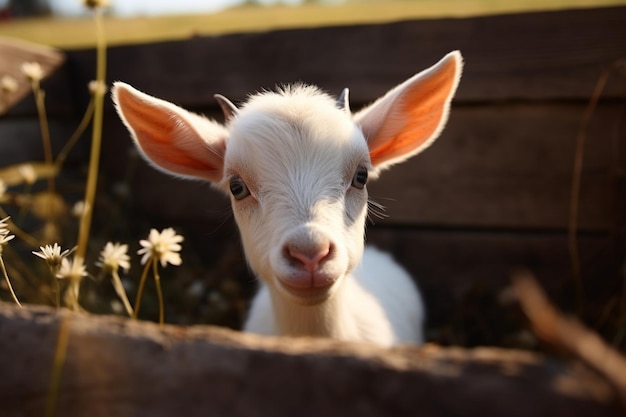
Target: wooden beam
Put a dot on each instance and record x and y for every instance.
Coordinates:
(495, 166)
(115, 366)
(526, 56)
(530, 56)
(465, 275)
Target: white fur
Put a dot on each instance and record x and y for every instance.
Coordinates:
(383, 306)
(302, 222)
(298, 153)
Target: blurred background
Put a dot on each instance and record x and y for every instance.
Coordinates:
(126, 8)
(65, 22)
(491, 195)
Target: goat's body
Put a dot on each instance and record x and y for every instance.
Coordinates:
(378, 303)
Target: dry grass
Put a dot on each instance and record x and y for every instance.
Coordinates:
(78, 33)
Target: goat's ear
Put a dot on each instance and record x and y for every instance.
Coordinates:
(409, 117)
(170, 137)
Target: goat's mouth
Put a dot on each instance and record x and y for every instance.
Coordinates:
(308, 294)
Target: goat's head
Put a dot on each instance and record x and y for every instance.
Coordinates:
(295, 164)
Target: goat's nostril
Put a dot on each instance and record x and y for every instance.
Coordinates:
(310, 258)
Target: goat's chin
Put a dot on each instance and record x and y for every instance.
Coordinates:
(307, 296)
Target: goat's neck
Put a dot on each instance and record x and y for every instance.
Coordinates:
(339, 317)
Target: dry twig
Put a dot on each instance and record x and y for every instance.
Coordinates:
(569, 335)
(620, 67)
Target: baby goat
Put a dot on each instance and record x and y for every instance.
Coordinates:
(295, 163)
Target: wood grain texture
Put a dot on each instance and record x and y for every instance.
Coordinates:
(464, 276)
(115, 366)
(528, 56)
(495, 166)
(500, 166)
(505, 159)
(525, 56)
(20, 139)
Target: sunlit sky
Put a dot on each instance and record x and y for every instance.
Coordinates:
(150, 7)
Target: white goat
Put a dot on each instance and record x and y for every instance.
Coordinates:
(295, 164)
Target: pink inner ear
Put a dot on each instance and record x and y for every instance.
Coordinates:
(168, 138)
(423, 109)
(155, 135)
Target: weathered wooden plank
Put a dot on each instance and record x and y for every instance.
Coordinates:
(509, 166)
(20, 139)
(522, 56)
(506, 166)
(115, 366)
(507, 57)
(464, 276)
(14, 53)
(501, 166)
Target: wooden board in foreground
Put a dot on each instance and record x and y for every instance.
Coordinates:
(118, 367)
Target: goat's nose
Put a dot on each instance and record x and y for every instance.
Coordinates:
(309, 257)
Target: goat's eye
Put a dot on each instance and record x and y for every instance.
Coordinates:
(360, 178)
(238, 188)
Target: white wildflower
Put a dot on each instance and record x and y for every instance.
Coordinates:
(163, 246)
(78, 208)
(113, 257)
(73, 270)
(28, 173)
(99, 87)
(5, 237)
(8, 84)
(33, 71)
(5, 234)
(117, 307)
(52, 255)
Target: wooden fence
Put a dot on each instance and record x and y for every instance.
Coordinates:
(492, 194)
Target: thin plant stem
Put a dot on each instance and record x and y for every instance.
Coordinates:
(57, 286)
(6, 277)
(58, 291)
(142, 283)
(60, 355)
(157, 281)
(121, 292)
(40, 96)
(96, 138)
(82, 126)
(71, 295)
(575, 189)
(621, 330)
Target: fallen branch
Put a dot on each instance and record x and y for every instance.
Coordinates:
(569, 335)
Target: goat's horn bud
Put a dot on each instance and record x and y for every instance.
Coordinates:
(229, 109)
(343, 102)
